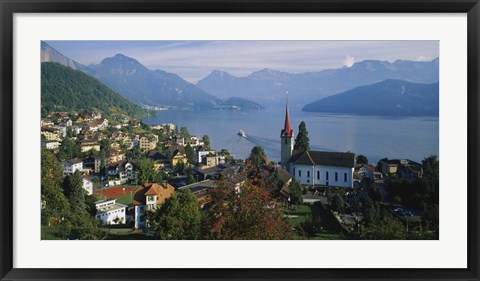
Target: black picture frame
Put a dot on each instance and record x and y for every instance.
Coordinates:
(10, 7)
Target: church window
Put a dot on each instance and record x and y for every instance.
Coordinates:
(345, 177)
(299, 173)
(308, 174)
(326, 175)
(336, 176)
(285, 141)
(318, 175)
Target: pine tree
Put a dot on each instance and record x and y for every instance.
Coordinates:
(302, 142)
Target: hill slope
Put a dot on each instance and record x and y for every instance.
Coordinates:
(387, 98)
(66, 89)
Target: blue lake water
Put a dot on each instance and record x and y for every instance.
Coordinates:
(376, 137)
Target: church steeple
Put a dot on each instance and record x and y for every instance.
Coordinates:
(287, 129)
(286, 138)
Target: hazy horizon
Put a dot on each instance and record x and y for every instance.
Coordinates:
(194, 60)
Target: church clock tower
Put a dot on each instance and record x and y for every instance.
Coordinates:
(286, 138)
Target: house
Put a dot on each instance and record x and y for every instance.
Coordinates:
(148, 197)
(283, 195)
(59, 117)
(114, 155)
(391, 166)
(135, 123)
(177, 155)
(51, 134)
(409, 173)
(70, 166)
(159, 160)
(53, 144)
(213, 159)
(61, 129)
(216, 172)
(201, 191)
(202, 152)
(89, 144)
(45, 122)
(110, 212)
(87, 184)
(365, 170)
(123, 172)
(169, 127)
(148, 142)
(156, 127)
(66, 123)
(193, 141)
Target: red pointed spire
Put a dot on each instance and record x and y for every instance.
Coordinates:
(287, 129)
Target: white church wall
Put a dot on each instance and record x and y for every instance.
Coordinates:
(322, 175)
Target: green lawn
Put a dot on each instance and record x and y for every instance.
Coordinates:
(125, 199)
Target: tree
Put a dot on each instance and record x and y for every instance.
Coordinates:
(190, 153)
(228, 156)
(179, 167)
(73, 190)
(133, 153)
(184, 132)
(103, 163)
(338, 204)
(191, 179)
(54, 203)
(69, 149)
(179, 218)
(104, 144)
(296, 196)
(362, 159)
(248, 214)
(145, 170)
(257, 156)
(302, 142)
(158, 176)
(387, 228)
(206, 141)
(371, 212)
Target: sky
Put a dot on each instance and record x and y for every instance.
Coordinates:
(194, 60)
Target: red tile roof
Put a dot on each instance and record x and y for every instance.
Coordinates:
(163, 191)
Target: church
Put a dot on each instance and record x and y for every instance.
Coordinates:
(315, 168)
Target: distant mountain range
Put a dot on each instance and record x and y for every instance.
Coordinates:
(223, 91)
(387, 98)
(269, 86)
(140, 85)
(66, 89)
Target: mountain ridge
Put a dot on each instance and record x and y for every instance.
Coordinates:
(391, 97)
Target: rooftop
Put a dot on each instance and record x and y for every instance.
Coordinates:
(335, 159)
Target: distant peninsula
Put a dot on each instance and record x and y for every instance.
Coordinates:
(387, 98)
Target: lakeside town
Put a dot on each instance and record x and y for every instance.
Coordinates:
(117, 178)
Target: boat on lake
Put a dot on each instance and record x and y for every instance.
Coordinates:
(242, 133)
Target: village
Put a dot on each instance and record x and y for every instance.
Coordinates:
(129, 170)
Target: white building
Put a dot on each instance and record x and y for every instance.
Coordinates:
(322, 168)
(110, 212)
(51, 144)
(70, 166)
(201, 153)
(87, 185)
